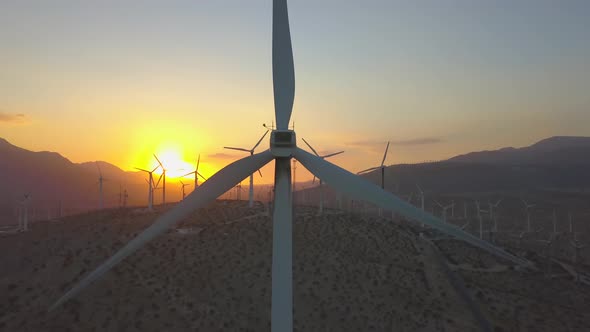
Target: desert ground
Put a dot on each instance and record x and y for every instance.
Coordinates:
(351, 272)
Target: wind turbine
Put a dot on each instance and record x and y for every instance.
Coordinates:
(150, 182)
(164, 180)
(421, 197)
(492, 206)
(480, 218)
(527, 208)
(156, 186)
(196, 173)
(183, 185)
(282, 148)
(321, 208)
(444, 209)
(251, 190)
(100, 180)
(382, 167)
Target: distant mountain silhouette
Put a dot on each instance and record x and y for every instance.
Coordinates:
(557, 163)
(51, 178)
(557, 150)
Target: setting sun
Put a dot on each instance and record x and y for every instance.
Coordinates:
(173, 163)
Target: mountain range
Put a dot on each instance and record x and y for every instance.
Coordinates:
(559, 162)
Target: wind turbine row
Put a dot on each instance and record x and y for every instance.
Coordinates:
(283, 148)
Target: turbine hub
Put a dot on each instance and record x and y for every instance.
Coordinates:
(282, 143)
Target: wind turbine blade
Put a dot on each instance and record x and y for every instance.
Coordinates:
(189, 173)
(419, 189)
(141, 169)
(259, 172)
(357, 187)
(159, 162)
(219, 183)
(158, 183)
(239, 149)
(283, 71)
(260, 140)
(282, 249)
(198, 162)
(155, 168)
(385, 155)
(332, 154)
(368, 170)
(182, 183)
(202, 177)
(309, 145)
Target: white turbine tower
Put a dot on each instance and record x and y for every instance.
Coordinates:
(321, 208)
(196, 173)
(527, 208)
(150, 186)
(480, 218)
(251, 151)
(282, 148)
(421, 197)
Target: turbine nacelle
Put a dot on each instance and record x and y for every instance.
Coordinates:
(282, 143)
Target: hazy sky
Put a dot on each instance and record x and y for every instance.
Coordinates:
(116, 80)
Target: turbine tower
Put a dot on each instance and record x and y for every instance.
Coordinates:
(163, 180)
(527, 208)
(100, 180)
(321, 209)
(183, 185)
(282, 149)
(251, 151)
(196, 173)
(421, 197)
(150, 182)
(492, 206)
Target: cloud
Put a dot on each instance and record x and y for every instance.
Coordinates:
(11, 118)
(404, 142)
(222, 155)
(418, 141)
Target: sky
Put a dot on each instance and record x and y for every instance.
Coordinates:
(119, 80)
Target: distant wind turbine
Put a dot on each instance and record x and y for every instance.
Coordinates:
(382, 167)
(321, 208)
(444, 209)
(183, 185)
(100, 181)
(251, 151)
(164, 180)
(492, 206)
(283, 147)
(527, 208)
(196, 173)
(150, 182)
(421, 197)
